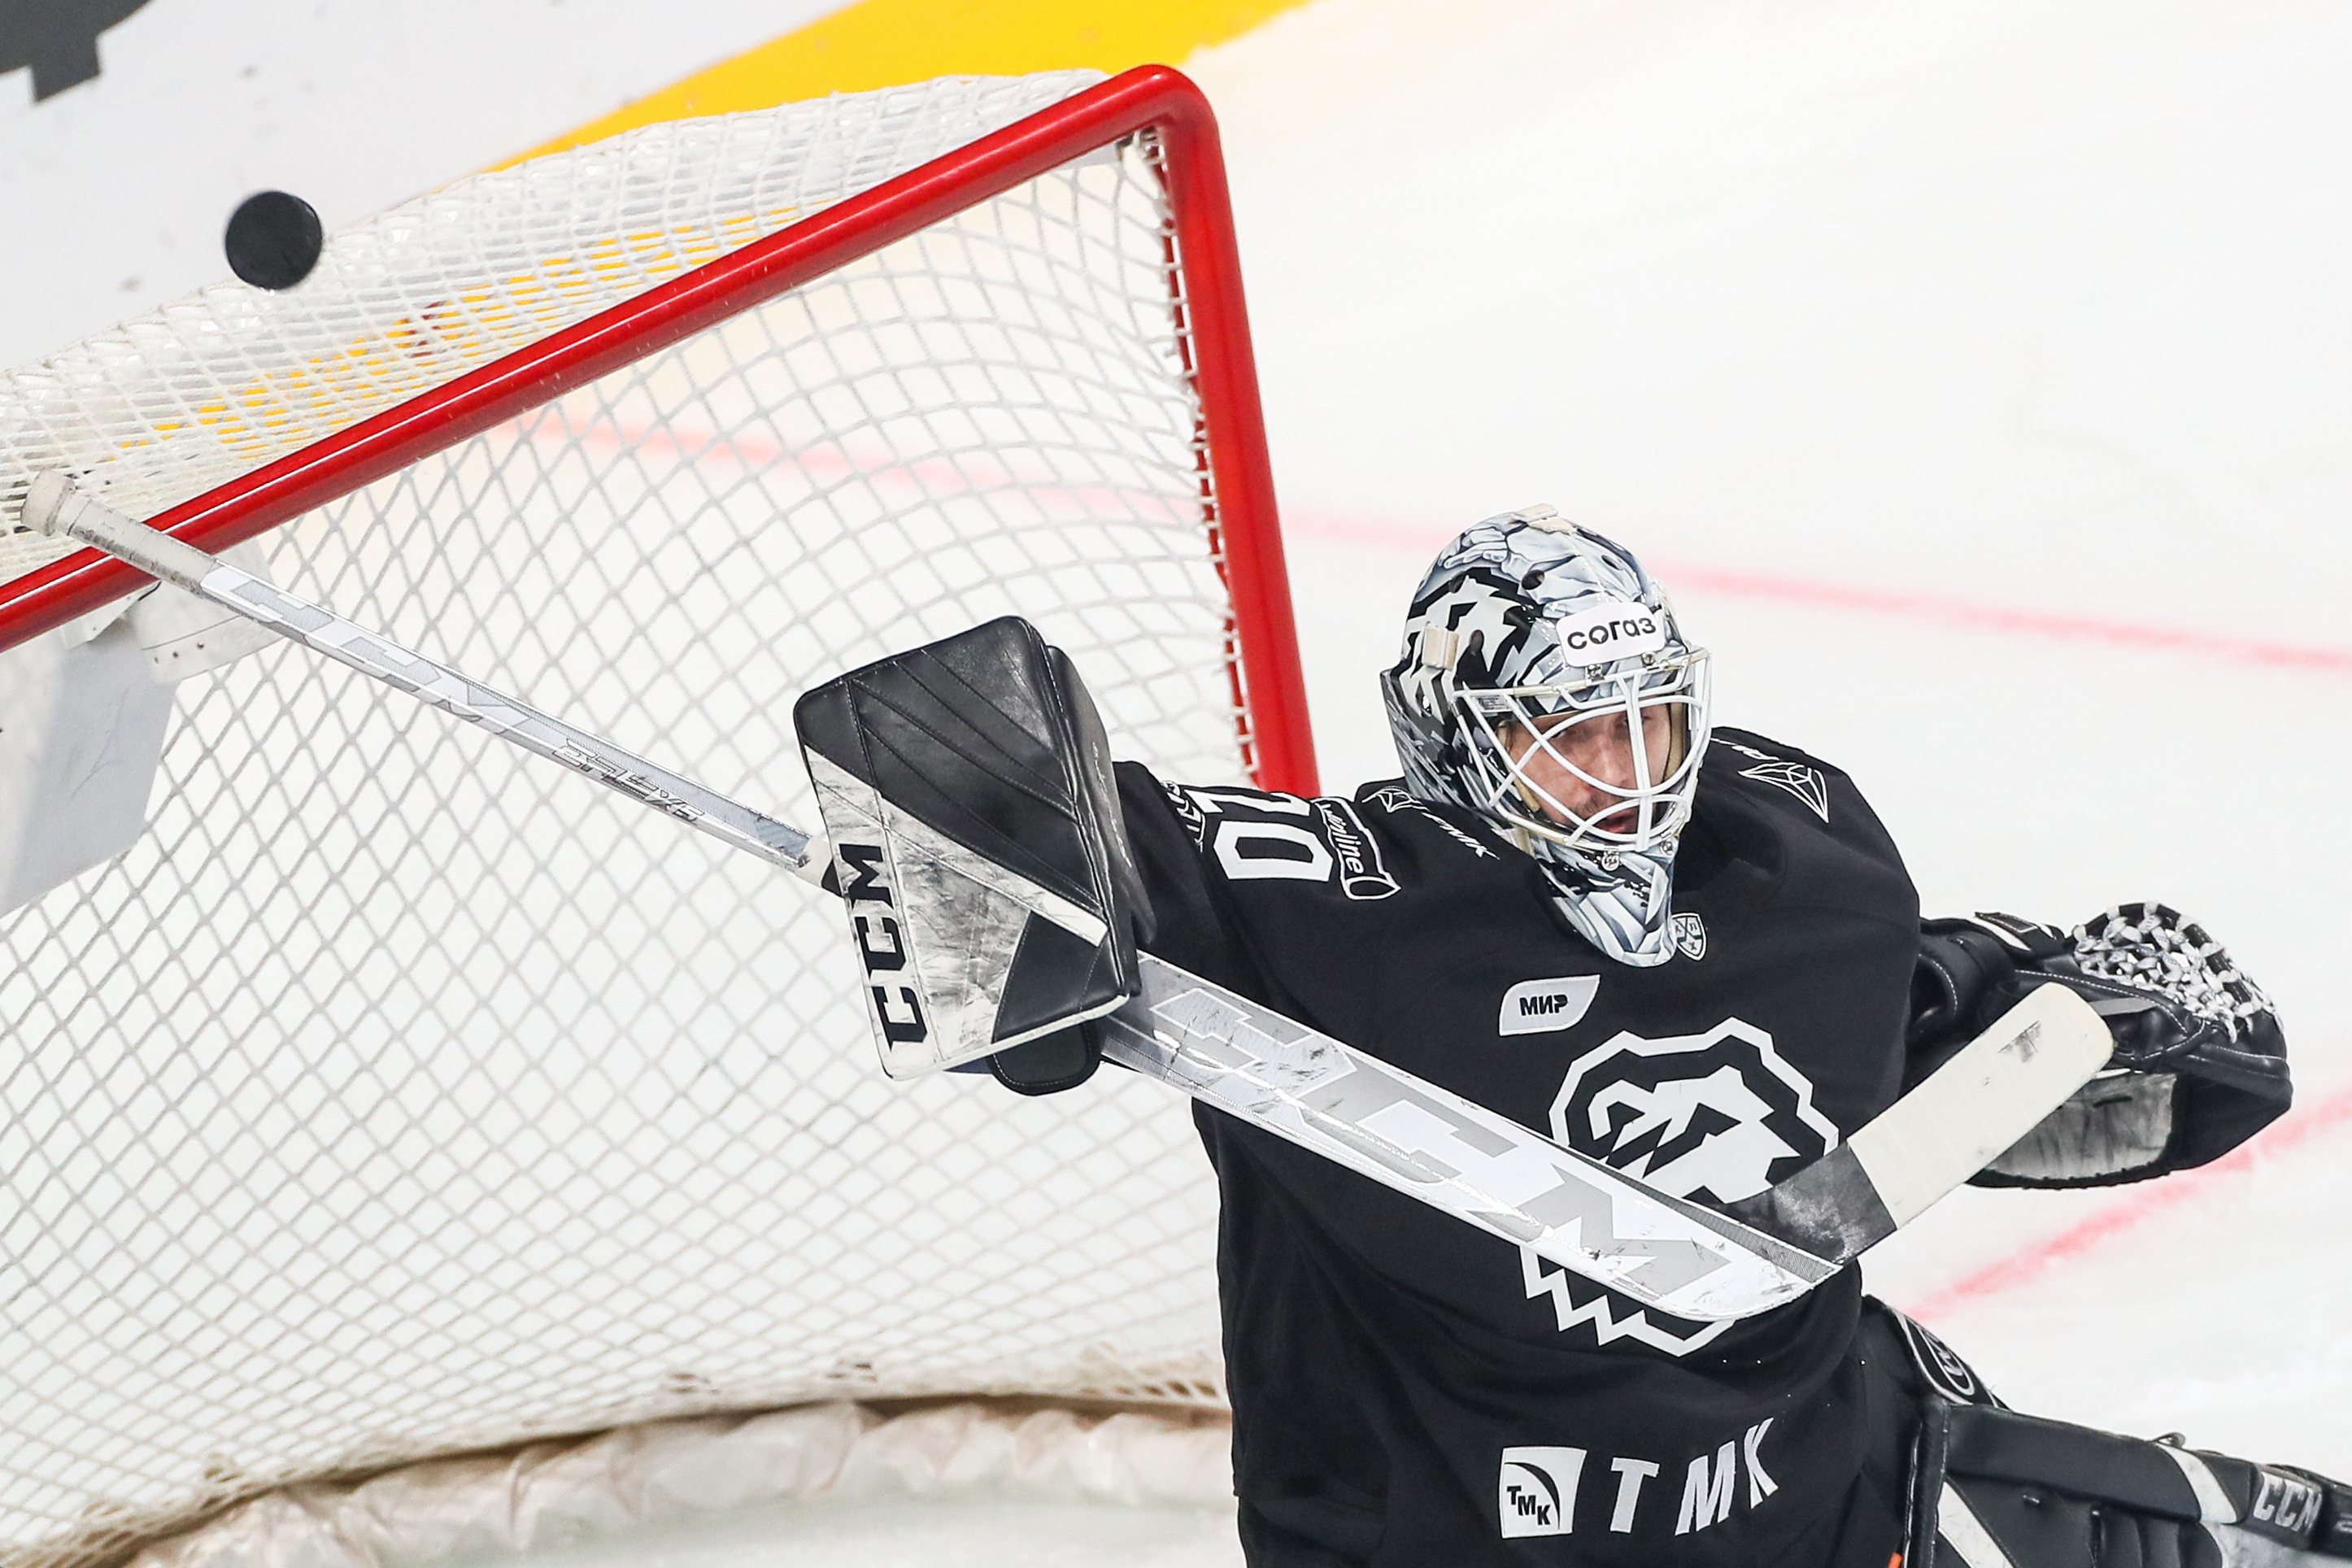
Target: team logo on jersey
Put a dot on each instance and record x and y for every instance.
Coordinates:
(1547, 1006)
(1718, 1116)
(1689, 932)
(1536, 1494)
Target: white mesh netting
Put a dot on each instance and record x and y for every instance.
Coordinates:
(401, 1094)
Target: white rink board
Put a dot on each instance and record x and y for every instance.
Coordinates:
(352, 106)
(2019, 305)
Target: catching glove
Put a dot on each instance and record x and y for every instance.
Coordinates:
(2200, 1064)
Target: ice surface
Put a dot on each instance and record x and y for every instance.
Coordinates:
(1910, 335)
(1901, 339)
(928, 1535)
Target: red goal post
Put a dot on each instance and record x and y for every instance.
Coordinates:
(1214, 323)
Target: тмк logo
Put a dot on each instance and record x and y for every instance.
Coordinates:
(1537, 1490)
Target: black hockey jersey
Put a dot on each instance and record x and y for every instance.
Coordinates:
(1408, 1391)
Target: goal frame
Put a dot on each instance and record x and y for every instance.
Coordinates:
(1236, 482)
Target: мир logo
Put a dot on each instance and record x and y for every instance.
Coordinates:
(1547, 1006)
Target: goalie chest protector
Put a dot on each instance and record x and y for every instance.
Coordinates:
(1409, 1389)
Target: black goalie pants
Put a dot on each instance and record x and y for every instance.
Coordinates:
(1955, 1479)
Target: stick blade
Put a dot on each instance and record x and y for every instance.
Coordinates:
(1946, 1129)
(1995, 1091)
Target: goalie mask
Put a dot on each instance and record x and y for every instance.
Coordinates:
(1545, 685)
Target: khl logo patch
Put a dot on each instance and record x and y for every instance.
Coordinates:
(1718, 1115)
(1537, 1490)
(1689, 932)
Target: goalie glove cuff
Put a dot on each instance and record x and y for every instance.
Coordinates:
(1967, 974)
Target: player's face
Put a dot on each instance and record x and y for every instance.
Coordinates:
(1568, 757)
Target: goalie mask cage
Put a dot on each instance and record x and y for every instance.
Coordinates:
(399, 1094)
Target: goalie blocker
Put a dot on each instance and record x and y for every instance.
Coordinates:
(979, 851)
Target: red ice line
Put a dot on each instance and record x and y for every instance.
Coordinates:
(1994, 618)
(970, 472)
(1917, 607)
(2020, 1267)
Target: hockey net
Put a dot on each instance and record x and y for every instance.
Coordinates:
(398, 1095)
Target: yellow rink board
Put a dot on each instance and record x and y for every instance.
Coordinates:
(879, 43)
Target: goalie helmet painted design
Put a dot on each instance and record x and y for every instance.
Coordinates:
(1545, 685)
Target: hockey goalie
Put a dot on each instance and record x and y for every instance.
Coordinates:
(1692, 951)
(1551, 1089)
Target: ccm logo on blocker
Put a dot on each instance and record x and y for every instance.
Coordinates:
(881, 945)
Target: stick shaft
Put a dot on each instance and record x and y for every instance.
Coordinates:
(1769, 1249)
(55, 509)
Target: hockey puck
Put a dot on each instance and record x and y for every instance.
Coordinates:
(273, 239)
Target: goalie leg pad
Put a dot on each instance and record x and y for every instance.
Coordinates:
(1994, 1489)
(967, 788)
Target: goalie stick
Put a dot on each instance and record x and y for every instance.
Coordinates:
(1669, 1253)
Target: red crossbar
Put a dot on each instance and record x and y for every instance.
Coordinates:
(1149, 96)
